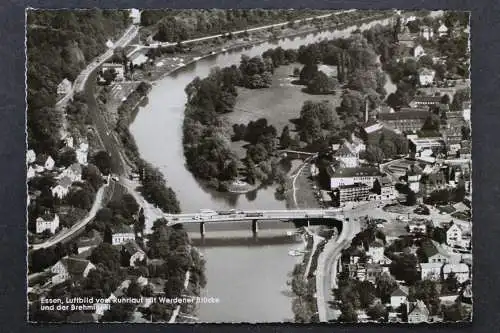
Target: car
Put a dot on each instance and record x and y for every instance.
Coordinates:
(115, 178)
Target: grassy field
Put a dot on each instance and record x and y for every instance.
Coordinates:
(278, 104)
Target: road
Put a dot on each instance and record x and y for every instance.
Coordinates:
(200, 39)
(327, 268)
(77, 226)
(295, 176)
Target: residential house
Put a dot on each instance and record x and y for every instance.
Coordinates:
(82, 153)
(357, 271)
(131, 253)
(68, 141)
(434, 252)
(373, 272)
(73, 172)
(460, 270)
(399, 296)
(31, 172)
(90, 241)
(64, 87)
(376, 251)
(70, 267)
(118, 69)
(121, 290)
(431, 271)
(426, 32)
(138, 59)
(426, 76)
(350, 176)
(47, 222)
(454, 235)
(45, 161)
(142, 281)
(30, 156)
(418, 51)
(121, 234)
(62, 188)
(404, 121)
(425, 101)
(418, 313)
(417, 226)
(442, 30)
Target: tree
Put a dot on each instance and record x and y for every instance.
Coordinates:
(385, 286)
(231, 170)
(119, 312)
(81, 198)
(67, 157)
(405, 268)
(426, 290)
(307, 73)
(366, 292)
(374, 154)
(376, 187)
(376, 311)
(348, 314)
(92, 174)
(107, 255)
(411, 198)
(134, 290)
(439, 235)
(451, 283)
(285, 138)
(456, 312)
(320, 83)
(445, 99)
(103, 161)
(465, 132)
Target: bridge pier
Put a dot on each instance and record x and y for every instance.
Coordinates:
(255, 227)
(202, 229)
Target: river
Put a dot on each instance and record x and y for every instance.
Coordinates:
(248, 280)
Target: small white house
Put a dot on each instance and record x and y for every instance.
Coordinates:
(62, 188)
(121, 234)
(71, 267)
(460, 270)
(31, 172)
(82, 153)
(135, 15)
(426, 76)
(138, 59)
(399, 296)
(64, 87)
(454, 235)
(47, 222)
(119, 69)
(466, 106)
(430, 271)
(47, 162)
(426, 32)
(73, 172)
(418, 51)
(30, 156)
(376, 251)
(442, 30)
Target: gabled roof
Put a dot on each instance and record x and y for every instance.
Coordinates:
(355, 172)
(93, 239)
(65, 182)
(76, 168)
(121, 228)
(419, 307)
(403, 115)
(377, 243)
(427, 99)
(75, 266)
(431, 248)
(400, 291)
(426, 109)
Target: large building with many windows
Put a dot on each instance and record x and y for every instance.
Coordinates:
(354, 192)
(404, 121)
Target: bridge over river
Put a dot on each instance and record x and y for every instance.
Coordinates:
(255, 216)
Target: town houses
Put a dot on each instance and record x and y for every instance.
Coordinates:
(48, 222)
(70, 267)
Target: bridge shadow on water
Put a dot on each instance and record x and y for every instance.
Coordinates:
(251, 241)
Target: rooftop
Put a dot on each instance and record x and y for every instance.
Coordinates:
(400, 291)
(402, 115)
(427, 99)
(121, 228)
(75, 266)
(354, 172)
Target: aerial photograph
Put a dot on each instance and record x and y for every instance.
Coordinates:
(248, 166)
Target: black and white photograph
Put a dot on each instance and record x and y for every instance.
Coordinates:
(248, 166)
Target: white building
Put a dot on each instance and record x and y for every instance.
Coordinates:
(46, 162)
(399, 296)
(454, 235)
(62, 188)
(30, 156)
(68, 141)
(47, 222)
(426, 76)
(460, 270)
(466, 110)
(376, 251)
(121, 234)
(426, 32)
(31, 172)
(418, 51)
(138, 59)
(70, 267)
(73, 172)
(431, 271)
(135, 15)
(133, 252)
(82, 153)
(64, 87)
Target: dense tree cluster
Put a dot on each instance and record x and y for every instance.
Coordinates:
(59, 45)
(256, 72)
(178, 25)
(316, 117)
